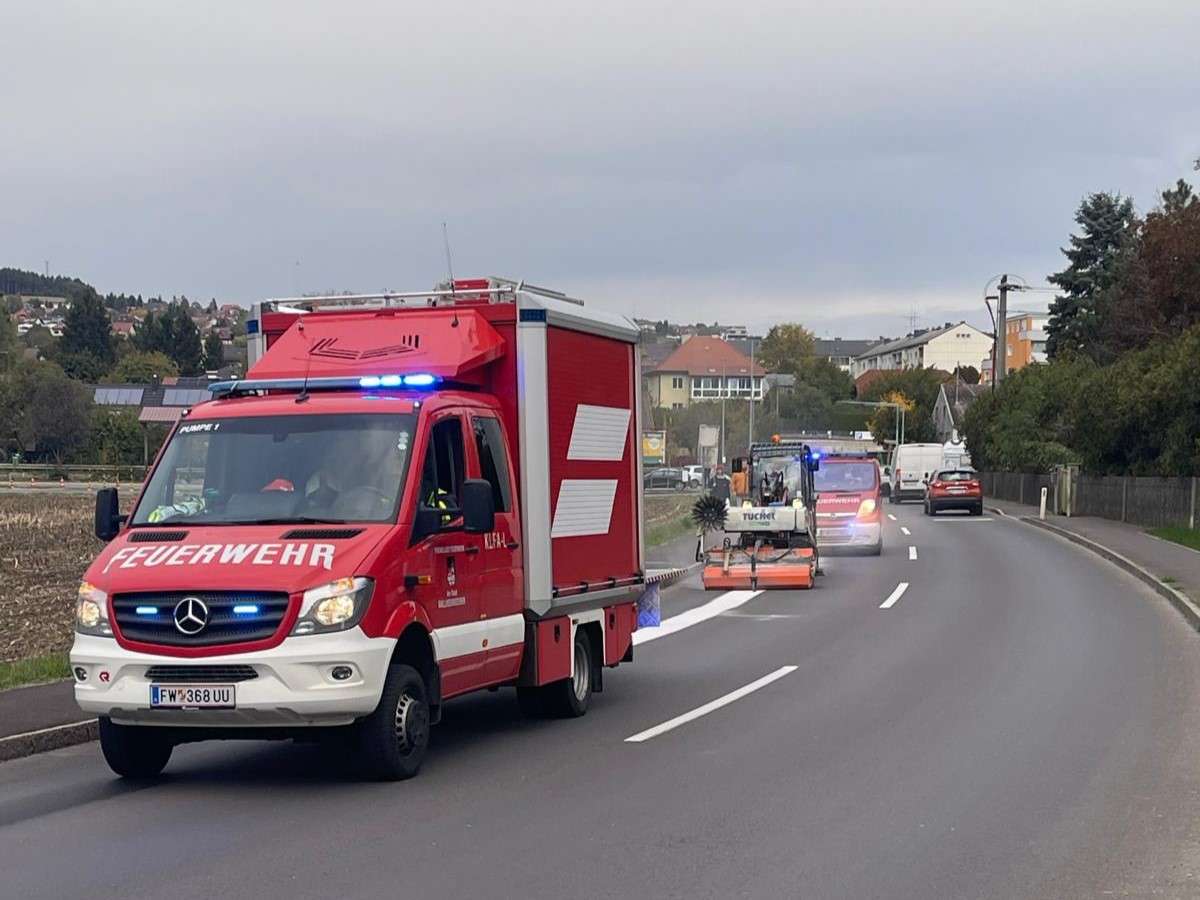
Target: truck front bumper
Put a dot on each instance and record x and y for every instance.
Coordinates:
(848, 533)
(293, 683)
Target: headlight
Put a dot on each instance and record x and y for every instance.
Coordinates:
(866, 508)
(336, 606)
(91, 611)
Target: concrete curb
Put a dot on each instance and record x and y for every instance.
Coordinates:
(1188, 609)
(31, 742)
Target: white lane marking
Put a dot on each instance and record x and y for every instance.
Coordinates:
(904, 531)
(714, 607)
(912, 552)
(894, 596)
(961, 519)
(892, 517)
(712, 705)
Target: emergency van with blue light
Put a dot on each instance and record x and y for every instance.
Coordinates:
(408, 497)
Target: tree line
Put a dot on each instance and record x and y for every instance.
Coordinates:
(46, 408)
(1119, 394)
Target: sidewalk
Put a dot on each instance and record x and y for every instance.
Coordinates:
(1175, 565)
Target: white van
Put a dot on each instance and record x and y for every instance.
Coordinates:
(911, 465)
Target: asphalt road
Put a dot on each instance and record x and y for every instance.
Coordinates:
(1020, 722)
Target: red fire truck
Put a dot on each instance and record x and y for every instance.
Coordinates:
(407, 498)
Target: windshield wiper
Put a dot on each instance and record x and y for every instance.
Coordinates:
(287, 520)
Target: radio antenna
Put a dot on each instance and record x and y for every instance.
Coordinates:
(449, 264)
(303, 395)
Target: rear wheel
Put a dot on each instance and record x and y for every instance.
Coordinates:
(977, 510)
(568, 699)
(134, 751)
(392, 740)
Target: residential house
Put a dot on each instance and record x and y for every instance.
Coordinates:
(703, 368)
(954, 397)
(840, 352)
(945, 348)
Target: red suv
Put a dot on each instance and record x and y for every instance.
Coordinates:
(954, 489)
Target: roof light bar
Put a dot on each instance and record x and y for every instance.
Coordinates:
(329, 383)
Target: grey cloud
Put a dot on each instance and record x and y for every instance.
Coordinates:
(685, 160)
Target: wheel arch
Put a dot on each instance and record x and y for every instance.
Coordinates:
(414, 647)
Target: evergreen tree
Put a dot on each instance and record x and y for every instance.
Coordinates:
(186, 347)
(1094, 260)
(214, 353)
(87, 330)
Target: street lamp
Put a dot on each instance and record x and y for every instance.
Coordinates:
(878, 403)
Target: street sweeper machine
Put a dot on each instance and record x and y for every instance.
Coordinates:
(770, 536)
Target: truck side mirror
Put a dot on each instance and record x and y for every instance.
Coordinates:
(108, 515)
(479, 506)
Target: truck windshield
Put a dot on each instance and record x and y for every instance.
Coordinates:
(280, 469)
(845, 476)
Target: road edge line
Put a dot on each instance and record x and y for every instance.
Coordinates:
(28, 743)
(1182, 603)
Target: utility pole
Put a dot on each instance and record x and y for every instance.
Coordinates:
(724, 391)
(751, 440)
(1000, 346)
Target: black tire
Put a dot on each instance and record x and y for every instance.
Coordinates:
(977, 510)
(132, 751)
(568, 698)
(877, 550)
(392, 740)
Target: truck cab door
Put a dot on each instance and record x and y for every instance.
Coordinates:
(443, 550)
(501, 563)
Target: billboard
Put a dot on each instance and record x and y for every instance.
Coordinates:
(654, 448)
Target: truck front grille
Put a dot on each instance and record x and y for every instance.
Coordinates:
(150, 618)
(200, 674)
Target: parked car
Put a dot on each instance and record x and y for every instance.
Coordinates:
(695, 476)
(954, 489)
(664, 478)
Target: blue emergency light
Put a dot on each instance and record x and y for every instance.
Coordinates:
(147, 610)
(419, 379)
(245, 609)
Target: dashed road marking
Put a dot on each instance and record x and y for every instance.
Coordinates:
(711, 706)
(912, 552)
(894, 596)
(905, 531)
(892, 517)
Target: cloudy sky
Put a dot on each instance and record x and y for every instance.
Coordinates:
(749, 162)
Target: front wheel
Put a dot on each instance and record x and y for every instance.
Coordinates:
(393, 739)
(134, 751)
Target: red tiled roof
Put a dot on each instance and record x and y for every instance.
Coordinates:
(160, 414)
(700, 355)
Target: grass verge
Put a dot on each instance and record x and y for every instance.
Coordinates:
(52, 667)
(1188, 537)
(665, 532)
